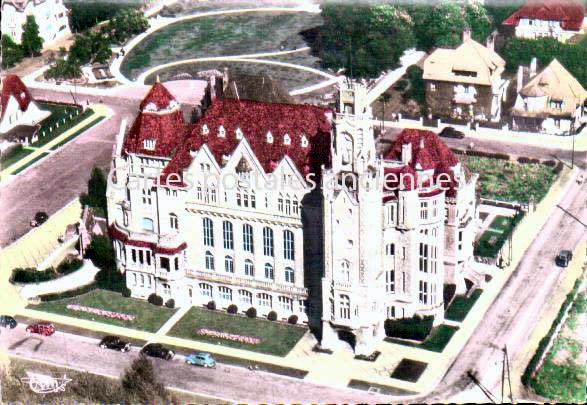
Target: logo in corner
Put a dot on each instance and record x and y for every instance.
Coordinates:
(44, 384)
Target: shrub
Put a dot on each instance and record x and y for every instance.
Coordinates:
(251, 312)
(110, 279)
(558, 168)
(550, 163)
(67, 267)
(126, 292)
(401, 85)
(232, 309)
(170, 303)
(32, 275)
(581, 303)
(101, 252)
(416, 328)
(272, 316)
(523, 159)
(293, 319)
(155, 300)
(68, 294)
(211, 305)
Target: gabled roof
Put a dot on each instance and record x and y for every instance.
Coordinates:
(556, 83)
(12, 86)
(255, 120)
(470, 56)
(569, 12)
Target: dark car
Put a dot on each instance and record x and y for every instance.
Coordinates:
(42, 328)
(114, 343)
(40, 218)
(158, 350)
(450, 132)
(7, 321)
(563, 258)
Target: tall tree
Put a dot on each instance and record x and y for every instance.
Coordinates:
(96, 196)
(31, 41)
(11, 52)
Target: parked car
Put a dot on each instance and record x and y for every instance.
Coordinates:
(40, 218)
(450, 132)
(201, 359)
(114, 343)
(7, 321)
(42, 328)
(158, 350)
(563, 258)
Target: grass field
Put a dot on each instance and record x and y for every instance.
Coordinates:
(58, 113)
(14, 156)
(460, 307)
(276, 338)
(493, 239)
(511, 181)
(435, 342)
(148, 317)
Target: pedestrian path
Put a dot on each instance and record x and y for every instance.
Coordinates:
(166, 327)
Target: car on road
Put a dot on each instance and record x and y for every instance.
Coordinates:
(114, 343)
(450, 132)
(42, 328)
(201, 359)
(158, 350)
(40, 218)
(7, 321)
(563, 258)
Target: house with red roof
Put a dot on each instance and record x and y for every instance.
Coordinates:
(560, 19)
(19, 114)
(253, 205)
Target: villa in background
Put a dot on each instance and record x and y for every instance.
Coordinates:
(20, 114)
(466, 82)
(552, 101)
(560, 19)
(226, 210)
(50, 15)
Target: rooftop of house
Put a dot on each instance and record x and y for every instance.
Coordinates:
(569, 12)
(12, 86)
(470, 63)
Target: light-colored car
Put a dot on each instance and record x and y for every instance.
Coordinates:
(201, 359)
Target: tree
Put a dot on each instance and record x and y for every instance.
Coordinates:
(96, 196)
(90, 47)
(31, 42)
(63, 69)
(125, 24)
(11, 52)
(364, 39)
(141, 384)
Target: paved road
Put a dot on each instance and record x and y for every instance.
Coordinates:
(227, 382)
(518, 307)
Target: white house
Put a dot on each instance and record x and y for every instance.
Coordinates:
(50, 15)
(18, 107)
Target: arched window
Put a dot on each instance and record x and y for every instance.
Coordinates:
(228, 235)
(346, 270)
(289, 275)
(285, 303)
(288, 245)
(390, 249)
(264, 300)
(148, 224)
(287, 205)
(224, 293)
(229, 264)
(245, 297)
(249, 268)
(209, 261)
(268, 241)
(269, 271)
(208, 232)
(205, 290)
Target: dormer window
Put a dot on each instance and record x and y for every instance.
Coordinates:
(23, 95)
(269, 137)
(286, 139)
(304, 141)
(221, 131)
(205, 130)
(149, 144)
(238, 133)
(556, 104)
(151, 107)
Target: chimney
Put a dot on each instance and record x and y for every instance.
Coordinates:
(225, 78)
(533, 67)
(212, 84)
(466, 34)
(520, 80)
(406, 153)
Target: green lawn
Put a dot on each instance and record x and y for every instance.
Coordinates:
(148, 317)
(501, 223)
(276, 338)
(493, 239)
(14, 156)
(34, 160)
(78, 132)
(435, 342)
(511, 181)
(58, 113)
(461, 305)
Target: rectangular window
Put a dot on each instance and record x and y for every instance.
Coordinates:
(285, 303)
(424, 210)
(248, 238)
(141, 261)
(164, 261)
(423, 262)
(225, 293)
(264, 300)
(176, 263)
(432, 87)
(268, 241)
(208, 232)
(228, 235)
(390, 281)
(423, 292)
(288, 245)
(133, 255)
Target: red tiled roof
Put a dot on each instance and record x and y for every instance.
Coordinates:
(12, 86)
(116, 233)
(569, 12)
(255, 119)
(159, 95)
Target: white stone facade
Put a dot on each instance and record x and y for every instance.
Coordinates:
(533, 28)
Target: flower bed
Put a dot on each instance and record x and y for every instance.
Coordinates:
(229, 336)
(101, 312)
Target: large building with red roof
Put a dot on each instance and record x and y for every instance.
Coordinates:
(246, 207)
(560, 19)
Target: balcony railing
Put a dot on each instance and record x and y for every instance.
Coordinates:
(246, 282)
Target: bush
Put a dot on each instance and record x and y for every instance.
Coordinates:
(141, 383)
(68, 294)
(110, 279)
(401, 85)
(526, 160)
(558, 168)
(251, 312)
(416, 328)
(170, 303)
(232, 309)
(32, 275)
(211, 305)
(272, 316)
(550, 163)
(101, 252)
(293, 319)
(155, 300)
(67, 267)
(126, 292)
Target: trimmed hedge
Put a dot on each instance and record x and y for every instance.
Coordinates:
(272, 316)
(523, 159)
(170, 303)
(480, 153)
(293, 319)
(68, 294)
(533, 363)
(251, 312)
(232, 309)
(32, 275)
(211, 305)
(155, 300)
(416, 328)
